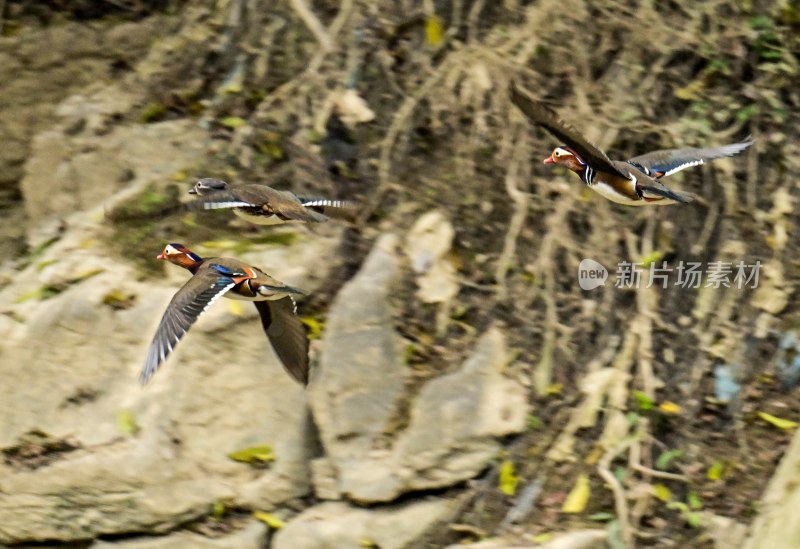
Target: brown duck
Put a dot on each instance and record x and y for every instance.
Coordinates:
(634, 182)
(215, 277)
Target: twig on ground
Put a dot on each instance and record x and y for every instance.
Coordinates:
(620, 499)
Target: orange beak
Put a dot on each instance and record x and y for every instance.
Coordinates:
(549, 160)
(162, 255)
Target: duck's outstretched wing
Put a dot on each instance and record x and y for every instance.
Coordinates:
(666, 162)
(191, 301)
(287, 335)
(539, 114)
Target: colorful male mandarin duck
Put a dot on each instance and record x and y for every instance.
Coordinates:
(636, 182)
(218, 276)
(261, 204)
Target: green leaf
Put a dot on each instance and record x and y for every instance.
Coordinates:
(694, 501)
(117, 299)
(746, 113)
(508, 478)
(254, 454)
(534, 422)
(153, 113)
(233, 122)
(46, 263)
(42, 293)
(777, 422)
(601, 517)
(219, 509)
(666, 458)
(761, 22)
(651, 258)
(127, 422)
(269, 519)
(695, 520)
(645, 402)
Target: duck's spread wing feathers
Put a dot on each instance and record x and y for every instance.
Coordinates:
(282, 203)
(541, 115)
(287, 335)
(186, 306)
(219, 200)
(669, 161)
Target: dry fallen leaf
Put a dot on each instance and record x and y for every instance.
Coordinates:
(578, 497)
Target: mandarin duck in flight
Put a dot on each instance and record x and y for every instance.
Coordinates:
(261, 204)
(635, 182)
(214, 277)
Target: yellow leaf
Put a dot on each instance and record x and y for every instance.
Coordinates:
(46, 263)
(269, 519)
(777, 422)
(508, 478)
(83, 275)
(542, 538)
(669, 407)
(236, 308)
(433, 30)
(578, 497)
(594, 456)
(367, 543)
(314, 327)
(554, 389)
(662, 492)
(690, 92)
(716, 470)
(255, 454)
(127, 422)
(219, 244)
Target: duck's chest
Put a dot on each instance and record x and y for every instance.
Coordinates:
(613, 187)
(258, 215)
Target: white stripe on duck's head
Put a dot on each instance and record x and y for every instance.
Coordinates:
(208, 185)
(566, 157)
(179, 254)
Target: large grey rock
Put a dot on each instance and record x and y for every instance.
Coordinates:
(336, 525)
(454, 421)
(252, 536)
(41, 66)
(776, 526)
(361, 372)
(63, 176)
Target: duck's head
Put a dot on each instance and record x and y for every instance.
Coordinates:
(566, 157)
(208, 185)
(180, 255)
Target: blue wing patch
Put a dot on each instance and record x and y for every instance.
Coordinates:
(225, 271)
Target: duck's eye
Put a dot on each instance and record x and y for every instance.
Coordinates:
(557, 153)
